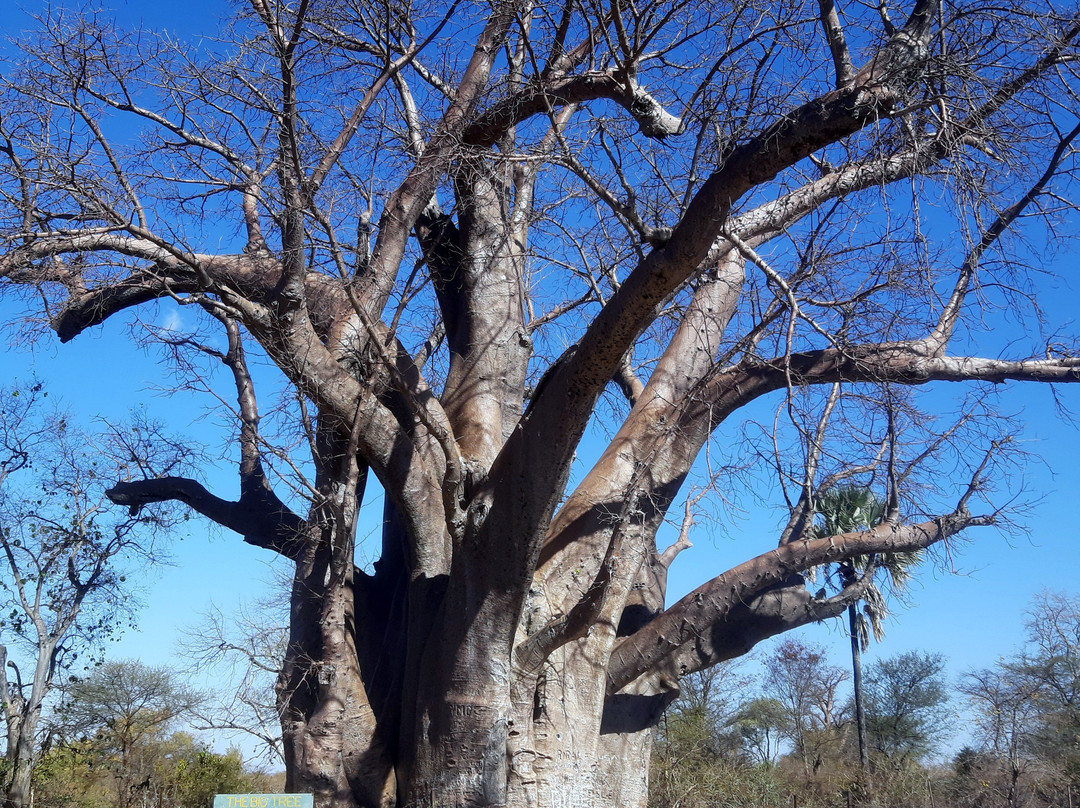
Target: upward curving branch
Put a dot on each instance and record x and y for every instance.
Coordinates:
(707, 606)
(554, 423)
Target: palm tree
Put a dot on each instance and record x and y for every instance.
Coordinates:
(847, 509)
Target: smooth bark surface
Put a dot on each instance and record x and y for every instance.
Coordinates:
(536, 272)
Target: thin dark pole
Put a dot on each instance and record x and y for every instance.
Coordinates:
(856, 671)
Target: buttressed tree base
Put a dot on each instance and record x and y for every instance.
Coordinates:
(694, 246)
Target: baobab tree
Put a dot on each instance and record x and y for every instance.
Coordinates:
(469, 236)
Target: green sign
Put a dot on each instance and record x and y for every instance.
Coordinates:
(264, 801)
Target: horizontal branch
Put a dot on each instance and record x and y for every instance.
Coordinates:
(88, 309)
(168, 270)
(711, 604)
(165, 270)
(91, 240)
(908, 363)
(775, 610)
(261, 518)
(540, 97)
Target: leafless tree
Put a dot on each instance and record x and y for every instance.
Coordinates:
(63, 590)
(464, 232)
(800, 678)
(246, 650)
(1027, 707)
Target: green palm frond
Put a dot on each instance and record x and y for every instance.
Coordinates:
(876, 611)
(848, 509)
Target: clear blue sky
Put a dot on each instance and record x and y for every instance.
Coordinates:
(973, 614)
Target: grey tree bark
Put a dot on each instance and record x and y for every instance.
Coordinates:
(454, 257)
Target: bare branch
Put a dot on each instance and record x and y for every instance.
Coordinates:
(834, 35)
(261, 519)
(710, 603)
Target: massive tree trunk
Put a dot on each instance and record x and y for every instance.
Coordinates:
(333, 746)
(550, 233)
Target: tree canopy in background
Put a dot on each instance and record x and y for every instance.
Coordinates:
(116, 744)
(1003, 736)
